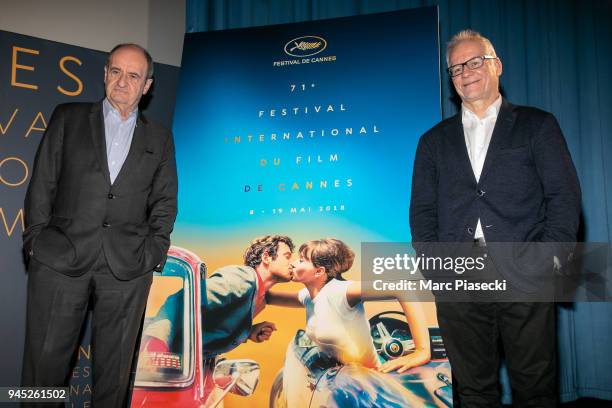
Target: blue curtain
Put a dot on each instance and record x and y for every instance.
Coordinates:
(557, 55)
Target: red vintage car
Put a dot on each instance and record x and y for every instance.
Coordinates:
(171, 371)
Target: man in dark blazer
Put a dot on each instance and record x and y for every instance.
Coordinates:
(495, 173)
(99, 211)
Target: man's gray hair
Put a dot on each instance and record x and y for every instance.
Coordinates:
(138, 47)
(468, 35)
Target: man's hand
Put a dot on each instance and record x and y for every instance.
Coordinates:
(261, 331)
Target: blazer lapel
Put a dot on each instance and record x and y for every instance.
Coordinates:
(96, 122)
(456, 138)
(137, 148)
(500, 136)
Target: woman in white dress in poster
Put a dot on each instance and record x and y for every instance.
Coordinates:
(335, 316)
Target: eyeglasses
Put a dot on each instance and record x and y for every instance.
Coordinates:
(472, 63)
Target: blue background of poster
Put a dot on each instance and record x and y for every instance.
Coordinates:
(385, 75)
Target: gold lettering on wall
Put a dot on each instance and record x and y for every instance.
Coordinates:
(84, 352)
(39, 116)
(15, 66)
(18, 217)
(25, 171)
(3, 130)
(75, 78)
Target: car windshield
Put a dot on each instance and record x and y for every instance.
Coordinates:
(166, 348)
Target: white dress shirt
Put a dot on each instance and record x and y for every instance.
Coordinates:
(478, 134)
(118, 133)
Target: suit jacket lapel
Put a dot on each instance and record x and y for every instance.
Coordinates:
(500, 136)
(96, 122)
(137, 148)
(457, 140)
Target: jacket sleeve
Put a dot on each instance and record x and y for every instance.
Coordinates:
(162, 202)
(562, 195)
(43, 183)
(424, 199)
(227, 308)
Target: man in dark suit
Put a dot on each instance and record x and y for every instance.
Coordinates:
(99, 211)
(495, 173)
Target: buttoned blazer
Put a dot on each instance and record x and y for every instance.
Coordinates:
(528, 190)
(72, 212)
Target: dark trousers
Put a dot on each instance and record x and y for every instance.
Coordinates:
(56, 309)
(473, 333)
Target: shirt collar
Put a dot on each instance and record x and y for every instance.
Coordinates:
(108, 108)
(491, 112)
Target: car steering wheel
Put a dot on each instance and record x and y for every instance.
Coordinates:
(388, 344)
